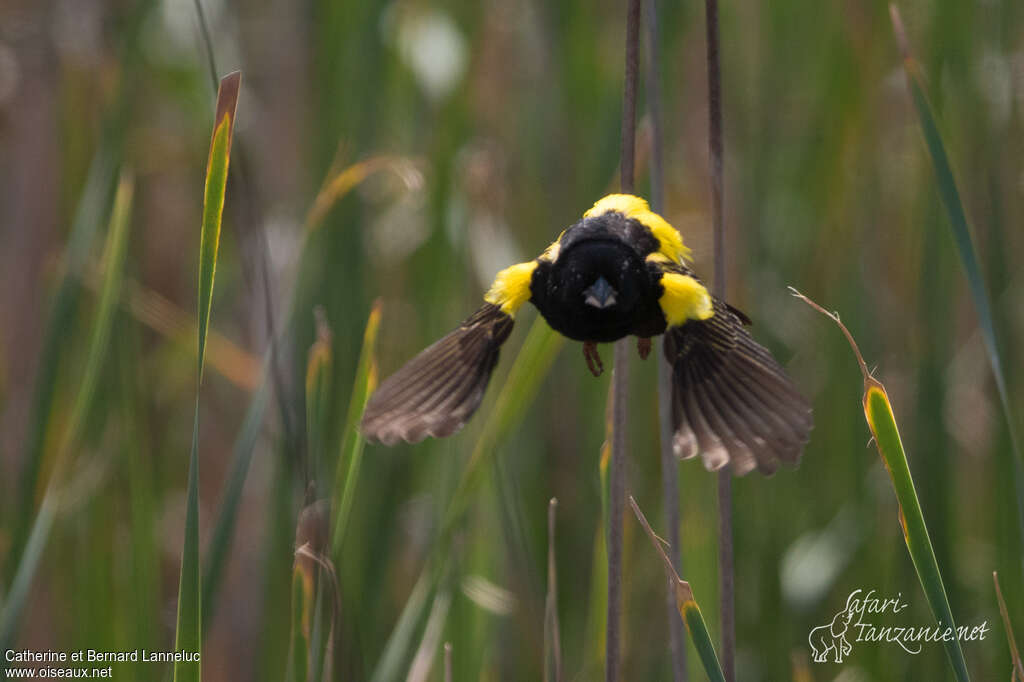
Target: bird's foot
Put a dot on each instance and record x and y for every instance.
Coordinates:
(593, 359)
(643, 346)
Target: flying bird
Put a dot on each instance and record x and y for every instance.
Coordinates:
(619, 271)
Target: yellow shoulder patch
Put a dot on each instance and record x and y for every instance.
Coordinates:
(684, 298)
(670, 242)
(511, 288)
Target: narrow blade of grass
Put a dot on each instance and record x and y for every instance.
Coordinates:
(686, 605)
(531, 366)
(879, 415)
(114, 255)
(961, 230)
(399, 644)
(697, 628)
(552, 638)
(188, 631)
(145, 555)
(423, 661)
(318, 372)
(1011, 640)
(220, 541)
(213, 200)
(91, 210)
(30, 558)
(224, 529)
(353, 443)
(529, 369)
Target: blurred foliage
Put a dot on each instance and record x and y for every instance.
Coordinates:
(505, 119)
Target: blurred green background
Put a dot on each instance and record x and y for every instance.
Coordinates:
(500, 125)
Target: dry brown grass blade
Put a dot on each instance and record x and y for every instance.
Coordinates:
(552, 637)
(1018, 666)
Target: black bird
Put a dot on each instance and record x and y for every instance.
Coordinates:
(619, 271)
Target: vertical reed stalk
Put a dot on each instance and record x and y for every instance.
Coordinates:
(669, 464)
(620, 377)
(725, 549)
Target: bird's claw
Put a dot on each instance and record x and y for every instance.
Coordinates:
(593, 359)
(643, 346)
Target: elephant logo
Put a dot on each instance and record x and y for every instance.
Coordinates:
(831, 638)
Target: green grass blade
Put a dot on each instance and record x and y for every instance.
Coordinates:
(318, 373)
(422, 662)
(337, 186)
(698, 631)
(879, 415)
(113, 256)
(144, 621)
(224, 530)
(686, 605)
(18, 594)
(878, 412)
(400, 643)
(188, 632)
(213, 200)
(90, 211)
(353, 443)
(530, 368)
(950, 196)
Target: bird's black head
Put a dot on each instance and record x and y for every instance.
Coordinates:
(598, 289)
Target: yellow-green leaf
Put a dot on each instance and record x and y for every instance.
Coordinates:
(879, 415)
(188, 632)
(353, 442)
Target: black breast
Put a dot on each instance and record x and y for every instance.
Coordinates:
(558, 291)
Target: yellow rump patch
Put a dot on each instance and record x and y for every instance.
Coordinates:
(670, 242)
(511, 288)
(684, 298)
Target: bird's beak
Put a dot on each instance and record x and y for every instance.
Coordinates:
(600, 294)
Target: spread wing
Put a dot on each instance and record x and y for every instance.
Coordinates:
(438, 390)
(731, 401)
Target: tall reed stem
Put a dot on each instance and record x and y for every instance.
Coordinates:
(725, 549)
(620, 378)
(669, 464)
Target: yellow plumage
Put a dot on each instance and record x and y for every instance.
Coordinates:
(670, 242)
(684, 298)
(511, 288)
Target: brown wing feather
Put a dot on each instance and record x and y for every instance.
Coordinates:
(731, 401)
(438, 390)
